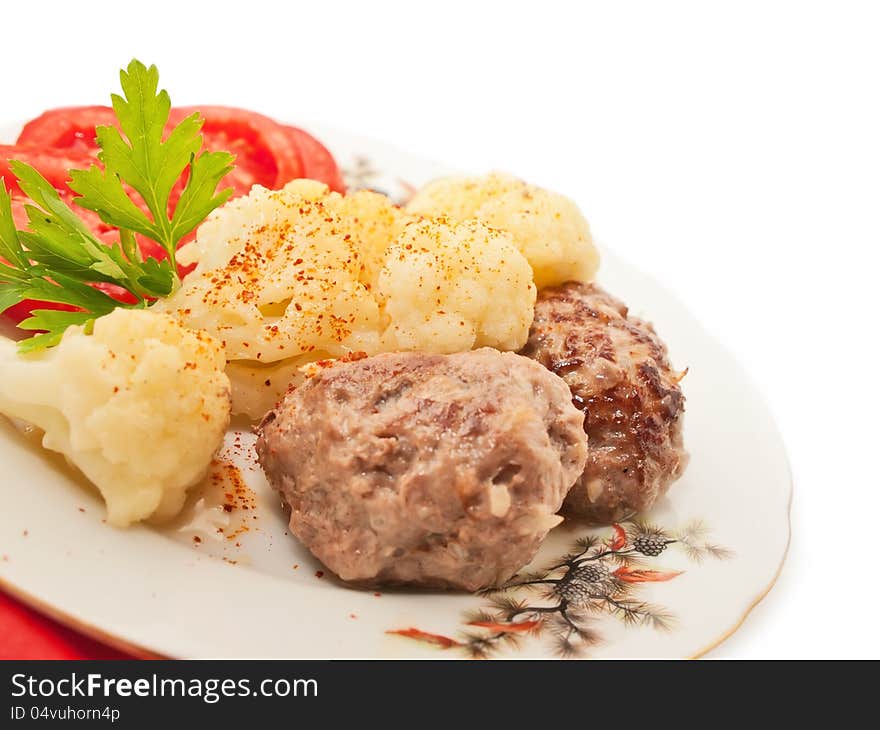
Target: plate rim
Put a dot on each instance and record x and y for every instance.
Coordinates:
(140, 652)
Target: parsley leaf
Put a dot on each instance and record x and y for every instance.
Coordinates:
(138, 156)
(58, 259)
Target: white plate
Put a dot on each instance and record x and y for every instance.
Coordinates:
(259, 593)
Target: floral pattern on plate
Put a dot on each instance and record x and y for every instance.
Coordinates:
(562, 603)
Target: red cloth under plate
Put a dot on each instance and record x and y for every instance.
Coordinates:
(26, 634)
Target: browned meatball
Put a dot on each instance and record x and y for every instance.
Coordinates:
(436, 470)
(620, 377)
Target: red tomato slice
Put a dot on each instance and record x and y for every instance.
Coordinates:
(267, 153)
(264, 154)
(53, 165)
(67, 128)
(317, 162)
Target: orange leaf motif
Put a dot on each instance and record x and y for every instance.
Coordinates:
(619, 539)
(444, 642)
(511, 628)
(645, 576)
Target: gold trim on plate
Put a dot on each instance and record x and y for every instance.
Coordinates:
(763, 594)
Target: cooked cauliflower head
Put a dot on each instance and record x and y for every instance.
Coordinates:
(279, 275)
(450, 287)
(139, 406)
(291, 276)
(547, 227)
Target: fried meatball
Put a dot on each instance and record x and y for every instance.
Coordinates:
(620, 377)
(420, 469)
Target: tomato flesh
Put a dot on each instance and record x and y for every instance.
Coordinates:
(317, 162)
(67, 128)
(264, 155)
(53, 165)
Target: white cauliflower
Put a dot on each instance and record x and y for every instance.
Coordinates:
(547, 227)
(291, 276)
(450, 287)
(139, 406)
(279, 275)
(375, 223)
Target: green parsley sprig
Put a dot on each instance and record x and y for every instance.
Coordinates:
(58, 259)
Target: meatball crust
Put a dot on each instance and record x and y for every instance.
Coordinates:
(421, 469)
(620, 377)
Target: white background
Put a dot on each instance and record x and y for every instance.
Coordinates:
(731, 149)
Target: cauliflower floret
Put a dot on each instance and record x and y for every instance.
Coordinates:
(279, 275)
(139, 406)
(376, 222)
(547, 227)
(449, 287)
